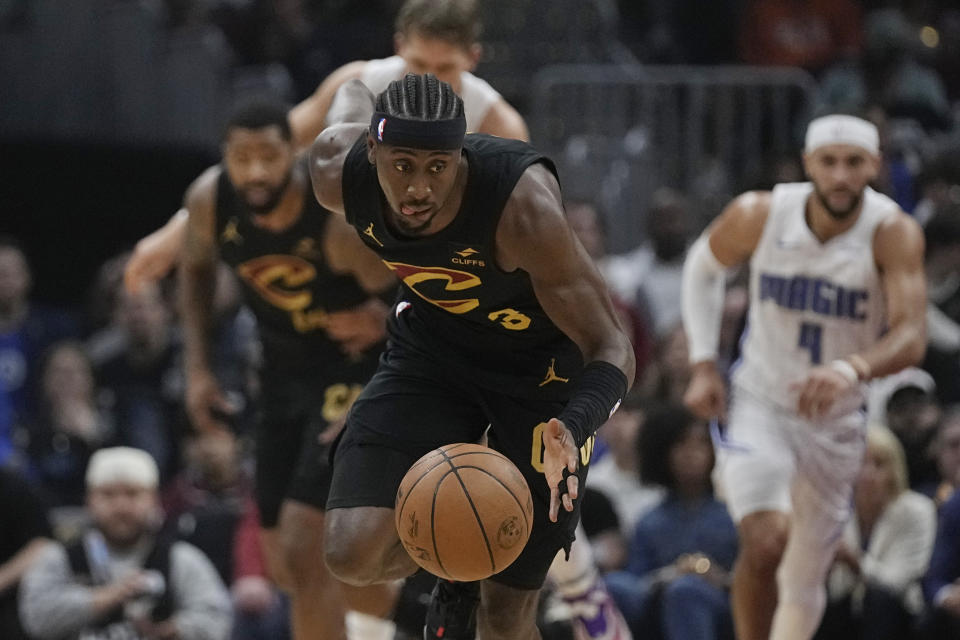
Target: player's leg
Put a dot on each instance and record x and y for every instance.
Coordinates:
(763, 538)
(755, 469)
(507, 613)
(293, 468)
(830, 456)
(406, 410)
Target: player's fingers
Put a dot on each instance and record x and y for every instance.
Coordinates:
(573, 488)
(567, 502)
(554, 503)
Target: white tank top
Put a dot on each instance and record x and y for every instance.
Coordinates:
(478, 96)
(811, 302)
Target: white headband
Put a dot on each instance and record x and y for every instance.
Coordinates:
(122, 465)
(837, 129)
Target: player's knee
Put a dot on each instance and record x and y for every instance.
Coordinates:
(763, 539)
(349, 551)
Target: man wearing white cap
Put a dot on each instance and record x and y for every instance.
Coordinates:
(837, 297)
(121, 581)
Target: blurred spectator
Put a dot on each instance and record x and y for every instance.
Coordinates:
(939, 193)
(682, 551)
(889, 75)
(941, 585)
(617, 474)
(604, 531)
(906, 402)
(121, 579)
(799, 33)
(651, 274)
(69, 425)
(260, 609)
(587, 223)
(141, 380)
(26, 330)
(206, 504)
(23, 535)
(943, 294)
(946, 451)
(874, 586)
(666, 379)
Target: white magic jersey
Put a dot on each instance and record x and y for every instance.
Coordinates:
(811, 302)
(478, 96)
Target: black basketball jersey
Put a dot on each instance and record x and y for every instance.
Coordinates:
(458, 305)
(286, 280)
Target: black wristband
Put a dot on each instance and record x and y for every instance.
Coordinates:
(598, 394)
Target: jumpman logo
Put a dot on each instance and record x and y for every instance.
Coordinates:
(369, 232)
(552, 374)
(230, 233)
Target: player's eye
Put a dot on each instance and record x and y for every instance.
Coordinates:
(401, 167)
(438, 167)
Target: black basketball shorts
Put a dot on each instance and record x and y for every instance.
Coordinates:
(413, 405)
(292, 462)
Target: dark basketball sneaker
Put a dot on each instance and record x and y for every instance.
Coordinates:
(452, 613)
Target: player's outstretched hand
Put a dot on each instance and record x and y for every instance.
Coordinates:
(359, 328)
(706, 394)
(559, 455)
(818, 392)
(207, 406)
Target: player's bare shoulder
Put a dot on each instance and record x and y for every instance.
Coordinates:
(202, 192)
(898, 240)
(736, 232)
(201, 204)
(532, 216)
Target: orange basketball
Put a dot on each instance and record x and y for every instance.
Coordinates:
(464, 512)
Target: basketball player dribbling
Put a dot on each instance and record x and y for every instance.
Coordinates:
(504, 321)
(837, 297)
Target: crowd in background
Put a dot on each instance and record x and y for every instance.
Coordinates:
(76, 380)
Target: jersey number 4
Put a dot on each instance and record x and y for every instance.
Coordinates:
(810, 339)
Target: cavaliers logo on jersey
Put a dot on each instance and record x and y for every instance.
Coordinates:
(279, 280)
(453, 280)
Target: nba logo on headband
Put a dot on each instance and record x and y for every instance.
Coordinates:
(380, 126)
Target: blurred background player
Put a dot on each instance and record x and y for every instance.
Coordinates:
(837, 297)
(313, 288)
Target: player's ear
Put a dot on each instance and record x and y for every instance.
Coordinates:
(806, 164)
(876, 162)
(474, 52)
(371, 150)
(398, 43)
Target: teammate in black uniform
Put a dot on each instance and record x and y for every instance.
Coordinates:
(313, 288)
(503, 321)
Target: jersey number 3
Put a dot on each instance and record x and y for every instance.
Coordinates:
(810, 339)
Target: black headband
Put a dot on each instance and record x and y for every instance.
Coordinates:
(418, 134)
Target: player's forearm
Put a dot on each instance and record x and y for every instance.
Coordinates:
(619, 352)
(902, 346)
(197, 288)
(702, 301)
